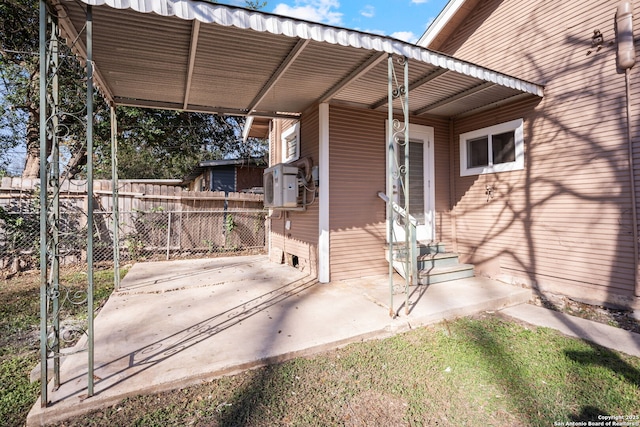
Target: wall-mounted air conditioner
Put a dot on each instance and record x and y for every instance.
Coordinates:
(281, 186)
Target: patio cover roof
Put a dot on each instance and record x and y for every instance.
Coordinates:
(198, 56)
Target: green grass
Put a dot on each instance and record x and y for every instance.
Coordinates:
(481, 371)
(20, 336)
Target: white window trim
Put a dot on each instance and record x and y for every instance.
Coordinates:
(292, 132)
(515, 125)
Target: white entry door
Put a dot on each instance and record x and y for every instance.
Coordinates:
(421, 183)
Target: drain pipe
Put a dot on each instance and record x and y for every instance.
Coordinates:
(626, 60)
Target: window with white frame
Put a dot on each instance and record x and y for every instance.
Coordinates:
(291, 143)
(498, 148)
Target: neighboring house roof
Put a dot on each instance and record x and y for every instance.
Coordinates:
(229, 60)
(202, 166)
(441, 27)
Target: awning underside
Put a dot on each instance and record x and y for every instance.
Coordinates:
(235, 61)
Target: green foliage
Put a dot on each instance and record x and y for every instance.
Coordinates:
(19, 335)
(255, 5)
(154, 144)
(21, 239)
(18, 71)
(229, 223)
(169, 144)
(18, 394)
(210, 245)
(229, 226)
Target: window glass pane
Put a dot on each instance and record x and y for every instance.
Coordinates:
(503, 148)
(416, 180)
(478, 152)
(494, 149)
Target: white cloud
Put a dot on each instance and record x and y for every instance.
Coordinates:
(378, 32)
(312, 10)
(368, 11)
(419, 1)
(406, 36)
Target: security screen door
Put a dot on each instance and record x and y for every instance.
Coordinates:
(421, 183)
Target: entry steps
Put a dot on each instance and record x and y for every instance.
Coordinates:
(435, 264)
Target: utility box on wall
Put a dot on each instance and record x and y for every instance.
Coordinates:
(281, 186)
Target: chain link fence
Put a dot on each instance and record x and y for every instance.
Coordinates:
(142, 235)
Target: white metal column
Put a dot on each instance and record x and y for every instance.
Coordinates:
(324, 270)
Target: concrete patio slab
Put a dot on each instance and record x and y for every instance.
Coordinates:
(179, 323)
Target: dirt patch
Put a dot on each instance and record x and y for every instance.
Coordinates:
(372, 408)
(620, 318)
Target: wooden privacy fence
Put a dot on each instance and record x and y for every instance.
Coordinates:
(155, 220)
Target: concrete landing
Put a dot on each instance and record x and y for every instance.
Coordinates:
(179, 323)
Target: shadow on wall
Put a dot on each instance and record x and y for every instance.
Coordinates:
(564, 223)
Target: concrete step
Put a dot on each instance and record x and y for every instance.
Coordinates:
(445, 274)
(434, 265)
(423, 248)
(428, 262)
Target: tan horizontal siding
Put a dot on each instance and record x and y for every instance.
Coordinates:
(442, 180)
(566, 219)
(530, 34)
(302, 237)
(579, 288)
(357, 170)
(304, 225)
(358, 252)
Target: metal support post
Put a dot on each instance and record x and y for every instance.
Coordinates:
(398, 179)
(409, 229)
(52, 294)
(168, 234)
(90, 199)
(115, 199)
(390, 183)
(54, 216)
(43, 205)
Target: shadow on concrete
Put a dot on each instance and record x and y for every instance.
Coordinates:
(164, 349)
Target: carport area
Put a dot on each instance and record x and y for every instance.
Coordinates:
(179, 323)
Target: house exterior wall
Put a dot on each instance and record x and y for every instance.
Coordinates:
(248, 177)
(357, 174)
(297, 245)
(564, 223)
(229, 178)
(357, 153)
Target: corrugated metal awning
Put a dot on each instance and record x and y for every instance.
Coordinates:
(198, 56)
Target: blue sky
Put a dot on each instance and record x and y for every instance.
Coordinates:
(403, 19)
